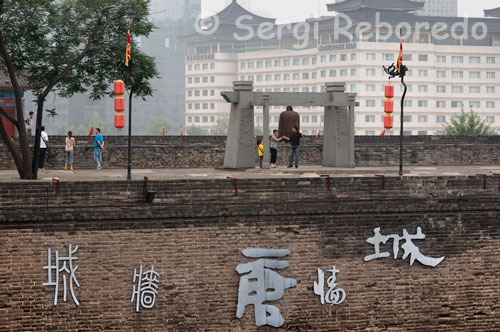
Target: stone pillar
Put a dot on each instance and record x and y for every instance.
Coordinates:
(339, 130)
(240, 145)
(266, 162)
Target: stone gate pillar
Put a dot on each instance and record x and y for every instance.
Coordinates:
(240, 145)
(338, 140)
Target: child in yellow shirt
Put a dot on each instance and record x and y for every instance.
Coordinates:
(260, 145)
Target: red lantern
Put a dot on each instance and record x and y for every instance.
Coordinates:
(389, 91)
(388, 122)
(119, 104)
(119, 120)
(119, 88)
(389, 106)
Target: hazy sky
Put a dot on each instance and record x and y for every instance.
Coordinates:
(298, 10)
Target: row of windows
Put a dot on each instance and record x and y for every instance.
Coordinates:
(439, 88)
(200, 93)
(204, 106)
(201, 119)
(344, 57)
(204, 79)
(203, 66)
(439, 103)
(424, 118)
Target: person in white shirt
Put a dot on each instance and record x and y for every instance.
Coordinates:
(29, 127)
(43, 147)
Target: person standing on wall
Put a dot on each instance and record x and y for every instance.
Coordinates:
(98, 147)
(274, 147)
(294, 147)
(70, 145)
(43, 148)
(29, 127)
(260, 147)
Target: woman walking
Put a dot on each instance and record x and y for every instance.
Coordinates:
(70, 145)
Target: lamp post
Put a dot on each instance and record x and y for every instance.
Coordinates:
(129, 158)
(393, 72)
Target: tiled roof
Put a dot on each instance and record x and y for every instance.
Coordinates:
(5, 84)
(395, 5)
(492, 12)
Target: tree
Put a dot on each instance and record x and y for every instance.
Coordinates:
(156, 126)
(68, 46)
(468, 124)
(196, 131)
(222, 125)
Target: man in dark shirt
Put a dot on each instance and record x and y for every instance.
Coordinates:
(294, 147)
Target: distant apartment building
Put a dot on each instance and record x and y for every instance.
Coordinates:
(439, 8)
(443, 74)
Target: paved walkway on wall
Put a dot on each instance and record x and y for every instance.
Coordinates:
(280, 172)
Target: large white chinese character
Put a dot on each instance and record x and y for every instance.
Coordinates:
(333, 296)
(62, 271)
(262, 284)
(410, 249)
(147, 288)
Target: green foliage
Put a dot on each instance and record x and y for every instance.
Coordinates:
(78, 45)
(468, 124)
(156, 125)
(196, 131)
(222, 125)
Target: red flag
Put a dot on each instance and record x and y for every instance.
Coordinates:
(400, 56)
(182, 132)
(128, 52)
(91, 132)
(163, 131)
(319, 133)
(382, 133)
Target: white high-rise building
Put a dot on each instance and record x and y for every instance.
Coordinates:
(443, 74)
(439, 8)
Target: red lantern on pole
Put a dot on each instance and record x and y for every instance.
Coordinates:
(389, 107)
(119, 89)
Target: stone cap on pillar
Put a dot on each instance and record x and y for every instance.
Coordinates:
(243, 85)
(335, 87)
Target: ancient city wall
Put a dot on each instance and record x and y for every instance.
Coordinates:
(199, 152)
(193, 234)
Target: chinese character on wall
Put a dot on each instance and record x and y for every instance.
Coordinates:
(333, 295)
(410, 249)
(261, 284)
(64, 274)
(146, 288)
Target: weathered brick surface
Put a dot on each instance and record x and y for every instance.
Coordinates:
(195, 152)
(193, 234)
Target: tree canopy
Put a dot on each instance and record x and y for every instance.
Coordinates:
(468, 124)
(69, 47)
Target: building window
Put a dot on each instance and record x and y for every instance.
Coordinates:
(407, 57)
(205, 119)
(212, 79)
(305, 118)
(205, 106)
(456, 104)
(197, 67)
(277, 77)
(457, 74)
(296, 76)
(333, 73)
(457, 89)
(250, 65)
(370, 72)
(305, 76)
(314, 61)
(250, 78)
(490, 74)
(457, 59)
(212, 92)
(314, 119)
(190, 119)
(440, 119)
(212, 119)
(286, 77)
(306, 89)
(268, 77)
(422, 88)
(333, 58)
(196, 93)
(196, 80)
(490, 104)
(441, 74)
(422, 57)
(323, 73)
(259, 78)
(353, 72)
(388, 57)
(296, 62)
(259, 64)
(369, 118)
(440, 104)
(369, 133)
(422, 133)
(259, 119)
(490, 89)
(441, 89)
(353, 56)
(440, 59)
(190, 107)
(205, 93)
(343, 57)
(286, 63)
(474, 59)
(353, 87)
(305, 61)
(269, 63)
(407, 118)
(490, 60)
(422, 118)
(197, 119)
(371, 56)
(423, 73)
(370, 103)
(323, 58)
(422, 103)
(190, 67)
(370, 87)
(343, 72)
(475, 104)
(474, 74)
(212, 66)
(205, 66)
(474, 89)
(212, 106)
(490, 119)
(408, 103)
(314, 75)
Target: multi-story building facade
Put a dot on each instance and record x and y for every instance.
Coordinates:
(439, 8)
(443, 74)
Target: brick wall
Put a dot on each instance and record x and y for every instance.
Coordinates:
(208, 151)
(195, 229)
